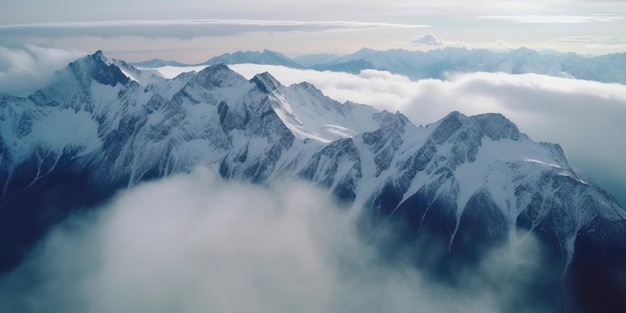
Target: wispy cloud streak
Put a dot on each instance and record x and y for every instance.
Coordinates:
(188, 28)
(553, 19)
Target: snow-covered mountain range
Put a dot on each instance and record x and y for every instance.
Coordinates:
(463, 183)
(609, 68)
(436, 63)
(264, 57)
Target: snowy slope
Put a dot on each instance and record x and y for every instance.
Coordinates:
(104, 124)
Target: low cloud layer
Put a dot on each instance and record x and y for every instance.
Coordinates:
(25, 69)
(584, 117)
(193, 243)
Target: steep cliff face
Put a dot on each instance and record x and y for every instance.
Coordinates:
(462, 184)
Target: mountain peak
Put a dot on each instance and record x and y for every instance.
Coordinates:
(271, 52)
(448, 126)
(99, 67)
(396, 120)
(217, 75)
(496, 126)
(454, 115)
(365, 50)
(266, 82)
(255, 57)
(100, 56)
(158, 63)
(492, 125)
(217, 67)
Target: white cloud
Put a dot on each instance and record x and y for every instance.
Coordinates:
(195, 244)
(428, 40)
(24, 70)
(499, 44)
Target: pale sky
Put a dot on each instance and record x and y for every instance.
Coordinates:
(195, 30)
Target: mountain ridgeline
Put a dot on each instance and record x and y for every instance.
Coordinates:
(437, 63)
(458, 186)
(610, 68)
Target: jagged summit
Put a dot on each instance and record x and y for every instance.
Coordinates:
(265, 57)
(157, 63)
(218, 75)
(496, 126)
(493, 125)
(266, 82)
(99, 67)
(387, 117)
(98, 54)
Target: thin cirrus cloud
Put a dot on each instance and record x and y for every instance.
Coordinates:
(189, 28)
(600, 40)
(552, 19)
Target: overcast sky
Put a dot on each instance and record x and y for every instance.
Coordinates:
(194, 30)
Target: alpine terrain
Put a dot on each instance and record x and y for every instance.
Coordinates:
(456, 187)
(438, 63)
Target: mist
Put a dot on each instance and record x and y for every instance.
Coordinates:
(195, 243)
(25, 69)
